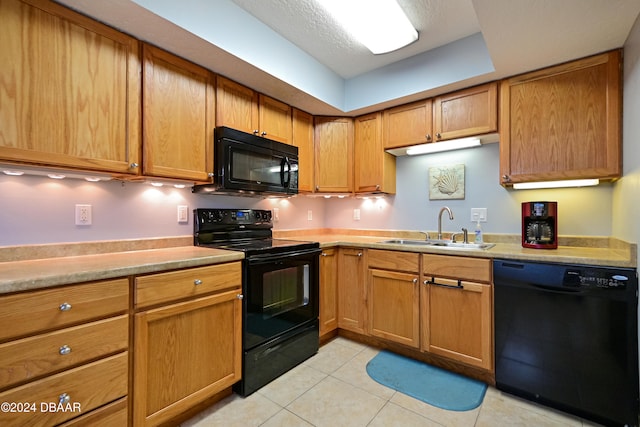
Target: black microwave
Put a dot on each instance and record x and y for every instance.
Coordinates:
(248, 164)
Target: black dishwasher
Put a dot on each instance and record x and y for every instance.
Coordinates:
(566, 336)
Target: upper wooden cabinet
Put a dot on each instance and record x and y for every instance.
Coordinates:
(70, 95)
(467, 112)
(408, 124)
(178, 119)
(334, 154)
(241, 108)
(303, 139)
(562, 122)
(375, 170)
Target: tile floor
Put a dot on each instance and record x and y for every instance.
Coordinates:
(333, 389)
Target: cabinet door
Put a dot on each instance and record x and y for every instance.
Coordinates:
(352, 298)
(303, 139)
(456, 321)
(71, 90)
(562, 122)
(184, 354)
(375, 170)
(328, 290)
(236, 106)
(275, 120)
(394, 306)
(409, 124)
(334, 154)
(178, 105)
(468, 112)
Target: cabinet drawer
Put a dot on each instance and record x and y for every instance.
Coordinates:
(174, 285)
(112, 415)
(29, 358)
(88, 387)
(37, 311)
(463, 268)
(394, 260)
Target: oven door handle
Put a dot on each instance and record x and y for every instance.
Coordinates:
(263, 259)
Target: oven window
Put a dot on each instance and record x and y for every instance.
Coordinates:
(284, 290)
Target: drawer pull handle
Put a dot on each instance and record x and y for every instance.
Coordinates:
(65, 349)
(240, 296)
(65, 306)
(64, 398)
(197, 282)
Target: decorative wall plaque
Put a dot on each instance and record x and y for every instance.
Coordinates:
(446, 182)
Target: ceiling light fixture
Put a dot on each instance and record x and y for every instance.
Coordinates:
(435, 147)
(381, 25)
(556, 184)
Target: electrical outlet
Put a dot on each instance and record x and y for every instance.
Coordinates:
(83, 214)
(183, 213)
(309, 215)
(276, 214)
(356, 214)
(478, 214)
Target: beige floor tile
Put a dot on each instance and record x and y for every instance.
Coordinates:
(394, 415)
(333, 403)
(285, 418)
(501, 409)
(236, 411)
(355, 373)
(332, 356)
(291, 385)
(442, 416)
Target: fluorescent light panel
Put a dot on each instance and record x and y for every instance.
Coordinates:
(434, 147)
(381, 25)
(556, 184)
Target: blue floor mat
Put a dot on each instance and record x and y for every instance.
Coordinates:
(427, 383)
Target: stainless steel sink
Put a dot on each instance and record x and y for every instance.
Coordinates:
(440, 243)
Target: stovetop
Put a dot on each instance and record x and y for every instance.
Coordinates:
(246, 230)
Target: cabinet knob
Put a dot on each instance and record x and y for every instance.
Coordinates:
(64, 350)
(65, 306)
(256, 131)
(415, 280)
(428, 137)
(323, 254)
(506, 178)
(377, 187)
(359, 254)
(197, 282)
(134, 165)
(64, 398)
(426, 282)
(438, 135)
(263, 133)
(240, 296)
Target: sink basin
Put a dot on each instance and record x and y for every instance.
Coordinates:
(441, 243)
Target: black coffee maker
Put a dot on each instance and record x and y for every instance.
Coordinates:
(540, 225)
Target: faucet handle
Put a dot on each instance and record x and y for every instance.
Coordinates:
(465, 235)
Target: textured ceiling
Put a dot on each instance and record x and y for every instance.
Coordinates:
(311, 28)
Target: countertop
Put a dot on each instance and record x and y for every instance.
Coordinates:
(39, 266)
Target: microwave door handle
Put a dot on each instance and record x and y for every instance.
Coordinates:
(285, 161)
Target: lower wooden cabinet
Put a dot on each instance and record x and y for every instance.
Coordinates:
(394, 296)
(457, 314)
(328, 291)
(352, 296)
(186, 351)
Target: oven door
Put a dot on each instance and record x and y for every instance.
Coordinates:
(280, 294)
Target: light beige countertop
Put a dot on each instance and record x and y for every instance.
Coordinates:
(38, 266)
(40, 273)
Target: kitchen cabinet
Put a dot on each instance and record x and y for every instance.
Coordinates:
(178, 120)
(187, 339)
(66, 345)
(333, 155)
(303, 139)
(562, 122)
(467, 112)
(409, 124)
(394, 296)
(71, 90)
(375, 169)
(328, 291)
(352, 297)
(456, 308)
(241, 108)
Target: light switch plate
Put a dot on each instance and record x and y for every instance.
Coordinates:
(478, 214)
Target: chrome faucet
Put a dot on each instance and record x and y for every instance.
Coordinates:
(440, 220)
